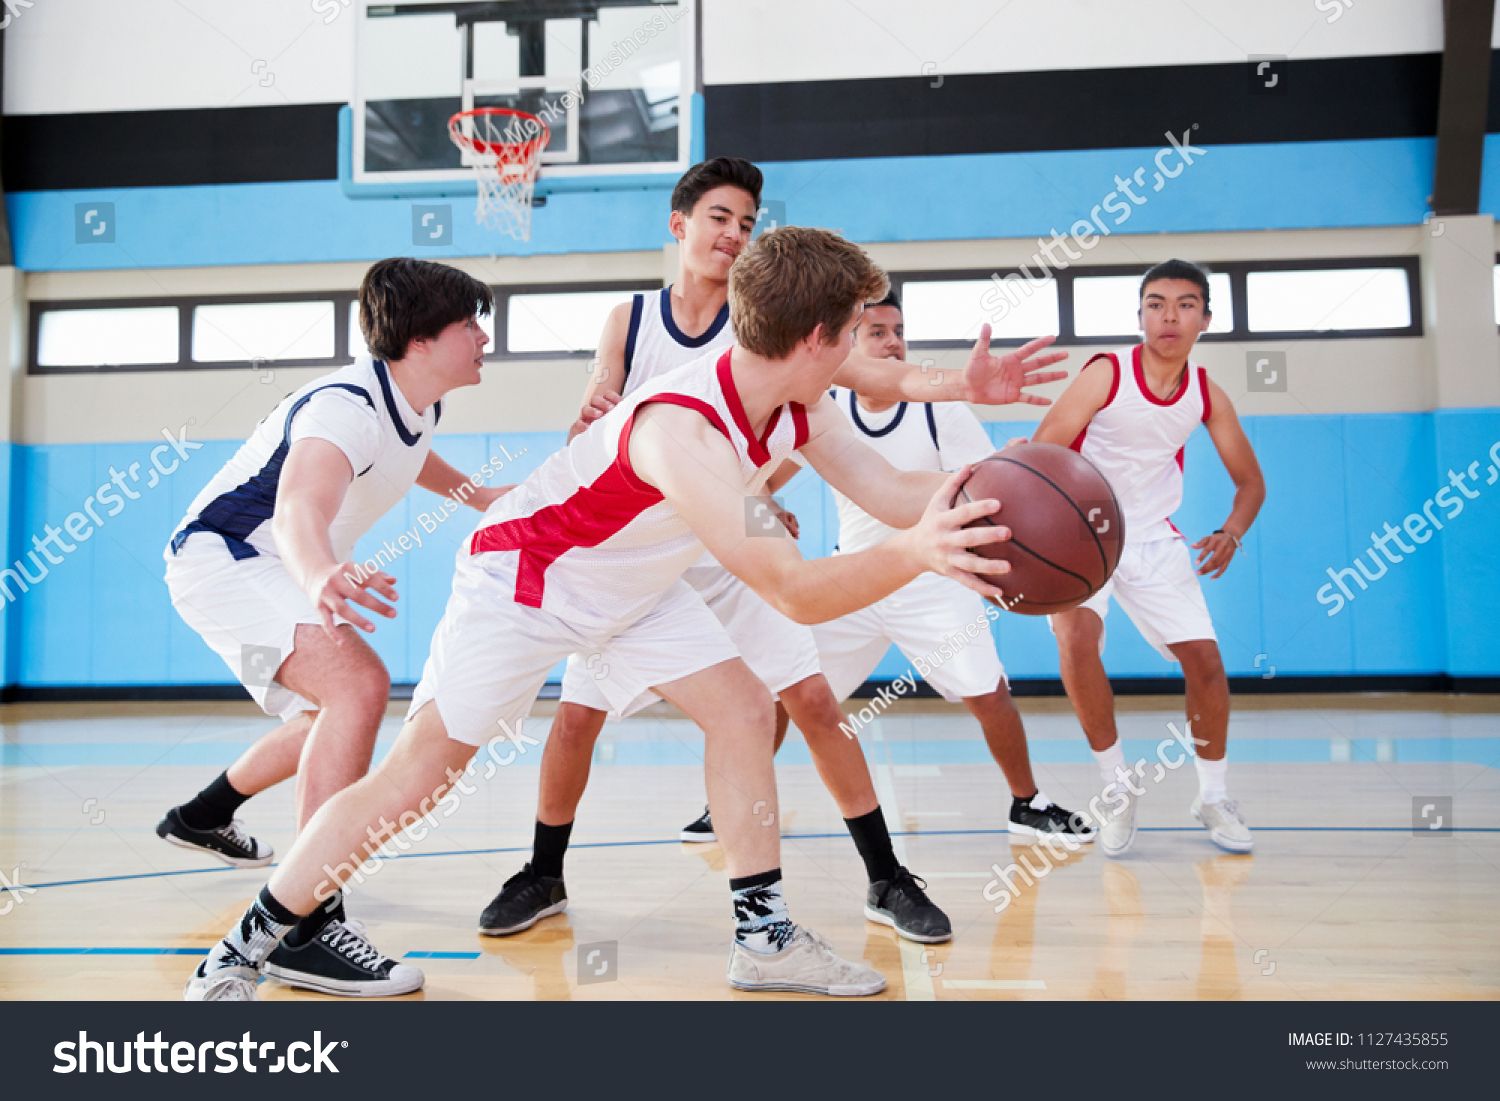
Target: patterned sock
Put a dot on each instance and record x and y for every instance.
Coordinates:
(1212, 779)
(873, 840)
(308, 928)
(254, 938)
(212, 807)
(761, 923)
(548, 847)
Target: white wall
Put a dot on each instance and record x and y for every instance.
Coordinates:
(67, 56)
(765, 41)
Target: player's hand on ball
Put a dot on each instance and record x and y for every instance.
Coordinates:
(333, 587)
(1218, 549)
(1001, 380)
(945, 546)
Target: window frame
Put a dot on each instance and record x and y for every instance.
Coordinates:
(342, 301)
(1238, 272)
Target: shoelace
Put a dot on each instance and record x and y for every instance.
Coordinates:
(235, 834)
(914, 885)
(351, 945)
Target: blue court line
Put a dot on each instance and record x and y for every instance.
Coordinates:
(784, 837)
(441, 956)
(101, 951)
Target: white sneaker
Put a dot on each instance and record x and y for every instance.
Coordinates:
(1226, 826)
(808, 965)
(1117, 831)
(224, 984)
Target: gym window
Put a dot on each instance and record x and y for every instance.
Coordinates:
(1282, 299)
(120, 337)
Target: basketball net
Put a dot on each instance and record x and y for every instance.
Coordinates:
(505, 149)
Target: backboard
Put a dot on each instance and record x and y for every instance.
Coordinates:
(613, 79)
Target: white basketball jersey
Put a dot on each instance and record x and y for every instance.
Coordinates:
(911, 436)
(589, 538)
(655, 345)
(362, 412)
(1136, 440)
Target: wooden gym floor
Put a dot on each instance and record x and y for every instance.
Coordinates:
(1342, 898)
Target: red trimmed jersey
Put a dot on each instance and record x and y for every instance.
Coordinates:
(1136, 439)
(586, 538)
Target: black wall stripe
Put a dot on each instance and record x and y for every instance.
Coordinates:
(226, 145)
(1324, 100)
(1316, 100)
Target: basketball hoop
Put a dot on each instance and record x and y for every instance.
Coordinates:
(504, 147)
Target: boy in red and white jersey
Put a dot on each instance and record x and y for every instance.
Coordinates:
(1130, 413)
(587, 555)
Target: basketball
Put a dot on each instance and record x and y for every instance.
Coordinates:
(1066, 527)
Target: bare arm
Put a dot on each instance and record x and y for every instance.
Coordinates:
(697, 471)
(1078, 404)
(313, 484)
(1249, 483)
(442, 477)
(985, 380)
(607, 375)
(897, 498)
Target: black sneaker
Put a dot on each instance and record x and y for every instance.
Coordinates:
(1040, 816)
(901, 903)
(525, 899)
(700, 829)
(343, 962)
(230, 843)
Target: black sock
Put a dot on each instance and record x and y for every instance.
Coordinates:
(548, 848)
(308, 928)
(873, 841)
(212, 807)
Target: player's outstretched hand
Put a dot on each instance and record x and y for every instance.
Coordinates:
(1218, 548)
(600, 403)
(943, 544)
(486, 496)
(335, 586)
(1001, 380)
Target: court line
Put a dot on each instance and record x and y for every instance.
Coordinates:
(785, 837)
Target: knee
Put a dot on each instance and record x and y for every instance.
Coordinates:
(811, 704)
(1201, 662)
(1077, 634)
(575, 727)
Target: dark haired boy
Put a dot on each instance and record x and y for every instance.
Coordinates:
(1130, 413)
(260, 568)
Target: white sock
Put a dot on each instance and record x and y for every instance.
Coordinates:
(1211, 779)
(1109, 760)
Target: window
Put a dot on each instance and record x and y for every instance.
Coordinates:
(952, 310)
(565, 322)
(236, 332)
(107, 337)
(1317, 301)
(1106, 305)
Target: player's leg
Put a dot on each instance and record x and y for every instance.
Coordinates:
(537, 890)
(1208, 711)
(489, 658)
(342, 836)
(736, 712)
(1032, 813)
(207, 821)
(701, 829)
(1080, 644)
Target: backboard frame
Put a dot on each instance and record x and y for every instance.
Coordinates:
(560, 170)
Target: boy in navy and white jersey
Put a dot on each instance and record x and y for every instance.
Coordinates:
(581, 557)
(1130, 413)
(930, 612)
(713, 213)
(260, 568)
